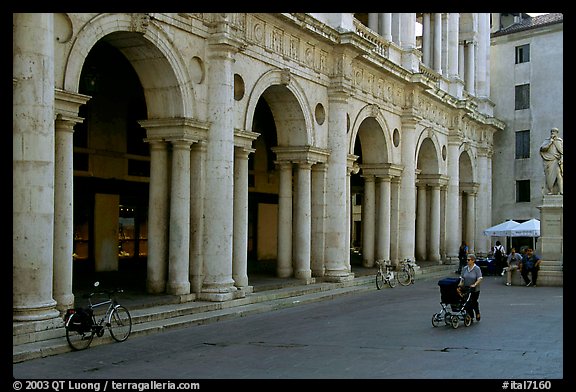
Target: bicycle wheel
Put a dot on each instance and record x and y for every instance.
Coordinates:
(412, 274)
(78, 340)
(392, 280)
(379, 280)
(436, 319)
(404, 277)
(120, 324)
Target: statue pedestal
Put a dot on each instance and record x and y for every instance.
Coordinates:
(551, 240)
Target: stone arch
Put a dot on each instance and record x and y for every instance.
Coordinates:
(160, 68)
(378, 148)
(428, 152)
(289, 104)
(466, 167)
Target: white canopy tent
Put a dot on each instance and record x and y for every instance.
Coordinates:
(530, 228)
(503, 229)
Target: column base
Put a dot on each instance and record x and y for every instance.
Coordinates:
(35, 313)
(337, 276)
(284, 272)
(178, 288)
(155, 286)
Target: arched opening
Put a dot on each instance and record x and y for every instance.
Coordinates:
(111, 172)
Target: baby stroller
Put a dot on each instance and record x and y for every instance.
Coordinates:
(453, 304)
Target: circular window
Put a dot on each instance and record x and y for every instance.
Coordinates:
(238, 87)
(396, 137)
(320, 114)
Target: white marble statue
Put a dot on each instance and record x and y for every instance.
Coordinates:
(552, 153)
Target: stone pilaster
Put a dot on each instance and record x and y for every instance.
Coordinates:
(197, 195)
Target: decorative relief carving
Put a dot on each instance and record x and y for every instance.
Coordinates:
(309, 55)
(294, 52)
(277, 41)
(259, 33)
(323, 61)
(139, 22)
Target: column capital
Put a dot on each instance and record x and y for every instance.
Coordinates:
(175, 128)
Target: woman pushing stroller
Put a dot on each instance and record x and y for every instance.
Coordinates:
(470, 278)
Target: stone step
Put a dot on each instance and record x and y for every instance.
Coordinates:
(161, 316)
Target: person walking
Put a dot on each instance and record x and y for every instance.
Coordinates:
(462, 254)
(530, 264)
(470, 279)
(513, 260)
(499, 254)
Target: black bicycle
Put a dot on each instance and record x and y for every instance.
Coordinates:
(82, 324)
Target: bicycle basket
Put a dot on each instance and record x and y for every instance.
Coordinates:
(82, 320)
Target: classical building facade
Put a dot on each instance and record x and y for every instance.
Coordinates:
(196, 148)
(527, 86)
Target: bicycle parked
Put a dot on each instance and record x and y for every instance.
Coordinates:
(82, 323)
(406, 274)
(385, 274)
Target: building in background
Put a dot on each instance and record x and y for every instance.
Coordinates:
(527, 88)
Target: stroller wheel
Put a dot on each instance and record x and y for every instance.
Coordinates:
(467, 320)
(448, 318)
(436, 319)
(454, 322)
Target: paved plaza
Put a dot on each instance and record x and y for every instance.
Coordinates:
(384, 334)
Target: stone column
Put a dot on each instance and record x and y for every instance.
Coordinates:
(63, 214)
(240, 242)
(179, 246)
(470, 221)
(483, 89)
(158, 213)
(302, 223)
(421, 222)
(470, 68)
(284, 264)
(407, 30)
(318, 218)
(386, 25)
(67, 105)
(484, 202)
(218, 284)
(373, 21)
(383, 241)
(197, 195)
(407, 215)
(426, 39)
(33, 167)
(461, 62)
(394, 222)
(434, 251)
(453, 23)
(337, 223)
(437, 54)
(368, 222)
(453, 231)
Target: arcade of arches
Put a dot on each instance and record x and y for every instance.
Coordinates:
(193, 150)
